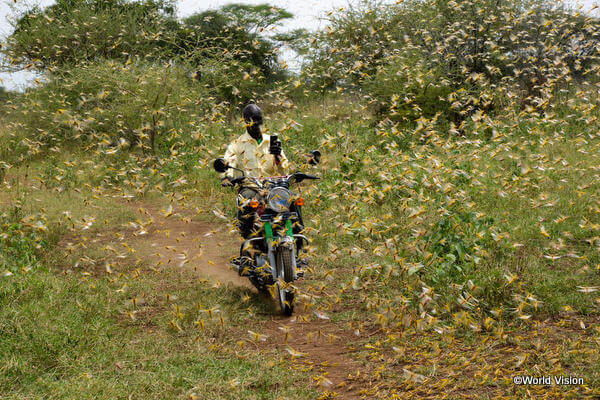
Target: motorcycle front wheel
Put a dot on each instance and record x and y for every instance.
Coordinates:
(285, 273)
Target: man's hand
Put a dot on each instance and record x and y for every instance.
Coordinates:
(275, 148)
(226, 182)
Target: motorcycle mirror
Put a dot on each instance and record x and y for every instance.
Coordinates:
(314, 157)
(220, 166)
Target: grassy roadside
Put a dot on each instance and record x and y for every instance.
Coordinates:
(71, 339)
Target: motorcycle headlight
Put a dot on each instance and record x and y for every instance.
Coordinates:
(279, 199)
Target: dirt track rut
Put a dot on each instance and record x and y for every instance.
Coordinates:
(175, 238)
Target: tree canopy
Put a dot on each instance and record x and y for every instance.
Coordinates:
(236, 31)
(72, 32)
(419, 58)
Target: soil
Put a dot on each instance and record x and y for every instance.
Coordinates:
(179, 240)
(320, 346)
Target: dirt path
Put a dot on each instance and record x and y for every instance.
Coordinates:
(332, 352)
(174, 239)
(318, 345)
(321, 347)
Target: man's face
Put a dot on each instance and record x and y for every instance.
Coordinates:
(253, 127)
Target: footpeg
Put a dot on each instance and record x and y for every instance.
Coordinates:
(243, 267)
(301, 266)
(236, 263)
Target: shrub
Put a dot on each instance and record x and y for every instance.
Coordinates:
(455, 242)
(21, 240)
(235, 33)
(118, 105)
(71, 32)
(421, 58)
(406, 89)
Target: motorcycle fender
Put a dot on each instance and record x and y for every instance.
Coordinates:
(287, 242)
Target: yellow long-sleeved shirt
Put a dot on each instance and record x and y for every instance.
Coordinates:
(246, 154)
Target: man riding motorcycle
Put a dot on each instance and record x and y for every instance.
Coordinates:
(269, 213)
(256, 154)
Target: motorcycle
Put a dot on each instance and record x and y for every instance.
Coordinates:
(271, 259)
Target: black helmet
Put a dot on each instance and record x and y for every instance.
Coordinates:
(252, 113)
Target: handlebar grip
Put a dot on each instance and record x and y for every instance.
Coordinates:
(300, 176)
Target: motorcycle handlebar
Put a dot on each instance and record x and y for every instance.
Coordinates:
(237, 181)
(299, 177)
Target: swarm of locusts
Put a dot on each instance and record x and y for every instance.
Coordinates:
(455, 230)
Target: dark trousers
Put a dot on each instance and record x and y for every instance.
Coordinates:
(245, 214)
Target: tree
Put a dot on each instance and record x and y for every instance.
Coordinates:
(76, 31)
(457, 58)
(238, 32)
(5, 95)
(73, 32)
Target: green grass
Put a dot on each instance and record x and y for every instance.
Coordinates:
(71, 339)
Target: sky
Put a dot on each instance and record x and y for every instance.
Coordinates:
(307, 14)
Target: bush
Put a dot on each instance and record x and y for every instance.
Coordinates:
(115, 105)
(405, 90)
(235, 82)
(72, 32)
(455, 241)
(234, 33)
(421, 58)
(103, 103)
(21, 240)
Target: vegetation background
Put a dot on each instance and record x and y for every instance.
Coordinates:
(455, 229)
